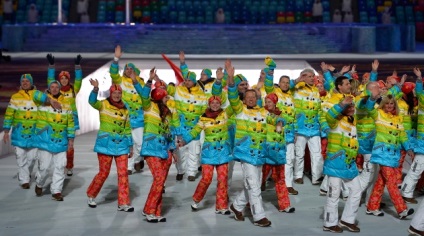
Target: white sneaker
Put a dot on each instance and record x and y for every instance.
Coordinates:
(289, 209)
(126, 208)
(223, 212)
(152, 219)
(406, 213)
(92, 202)
(161, 218)
(195, 206)
(375, 213)
(70, 172)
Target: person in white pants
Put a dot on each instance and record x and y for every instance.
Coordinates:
(417, 223)
(20, 118)
(55, 134)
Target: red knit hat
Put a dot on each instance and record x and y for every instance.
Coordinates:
(64, 73)
(366, 75)
(115, 87)
(158, 93)
(381, 84)
(213, 98)
(273, 97)
(159, 84)
(408, 87)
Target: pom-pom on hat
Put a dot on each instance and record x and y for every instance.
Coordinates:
(157, 94)
(115, 87)
(208, 72)
(28, 77)
(408, 87)
(64, 73)
(273, 97)
(213, 98)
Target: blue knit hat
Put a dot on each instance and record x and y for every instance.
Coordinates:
(208, 72)
(191, 76)
(238, 79)
(53, 82)
(135, 69)
(28, 77)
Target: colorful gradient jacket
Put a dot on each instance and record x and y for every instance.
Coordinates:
(72, 93)
(275, 143)
(342, 145)
(419, 147)
(307, 105)
(190, 104)
(158, 137)
(286, 106)
(114, 136)
(365, 124)
(390, 136)
(407, 120)
(54, 127)
(251, 130)
(216, 147)
(129, 95)
(21, 116)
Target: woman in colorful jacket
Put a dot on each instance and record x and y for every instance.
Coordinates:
(340, 167)
(69, 91)
(249, 149)
(275, 157)
(417, 167)
(21, 117)
(158, 138)
(390, 135)
(113, 142)
(133, 101)
(215, 154)
(55, 133)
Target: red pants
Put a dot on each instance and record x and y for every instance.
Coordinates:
(70, 158)
(159, 168)
(222, 186)
(359, 161)
(400, 168)
(105, 162)
(277, 176)
(386, 176)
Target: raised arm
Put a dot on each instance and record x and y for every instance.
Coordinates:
(78, 74)
(92, 99)
(51, 69)
(114, 67)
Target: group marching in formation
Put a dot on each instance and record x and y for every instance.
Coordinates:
(356, 132)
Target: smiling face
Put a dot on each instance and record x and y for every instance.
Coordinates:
(25, 84)
(54, 89)
(64, 80)
(188, 83)
(250, 98)
(116, 96)
(390, 106)
(128, 71)
(215, 105)
(345, 87)
(269, 105)
(308, 77)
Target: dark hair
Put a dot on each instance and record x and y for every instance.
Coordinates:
(284, 76)
(339, 81)
(409, 99)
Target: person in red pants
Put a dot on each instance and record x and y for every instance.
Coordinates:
(113, 142)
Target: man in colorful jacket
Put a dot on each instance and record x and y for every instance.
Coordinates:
(133, 101)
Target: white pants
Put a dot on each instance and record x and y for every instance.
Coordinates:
(414, 174)
(289, 166)
(251, 191)
(189, 158)
(331, 212)
(137, 137)
(368, 175)
(324, 186)
(25, 159)
(230, 173)
(45, 158)
(314, 144)
(418, 220)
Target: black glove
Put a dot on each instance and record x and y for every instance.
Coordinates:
(50, 58)
(78, 60)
